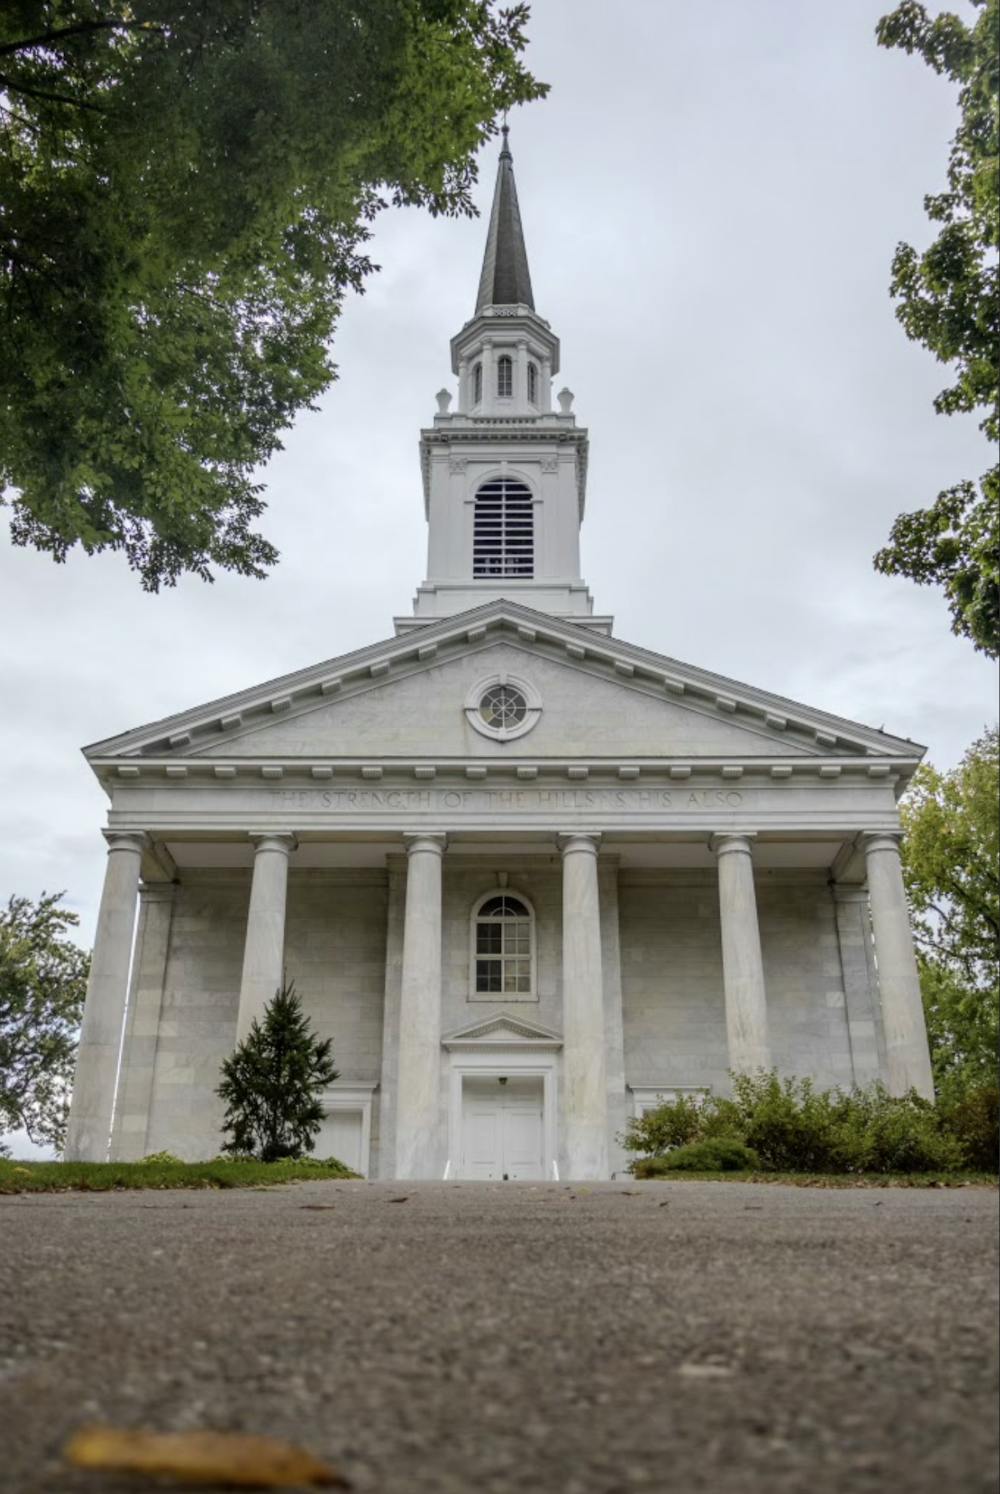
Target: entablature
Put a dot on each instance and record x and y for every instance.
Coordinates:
(459, 438)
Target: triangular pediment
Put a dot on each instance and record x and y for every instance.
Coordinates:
(406, 699)
(503, 1029)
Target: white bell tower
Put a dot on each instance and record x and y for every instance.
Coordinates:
(504, 475)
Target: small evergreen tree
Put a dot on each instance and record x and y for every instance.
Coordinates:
(271, 1084)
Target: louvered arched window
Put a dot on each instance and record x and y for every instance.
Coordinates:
(505, 375)
(477, 384)
(503, 946)
(503, 530)
(533, 383)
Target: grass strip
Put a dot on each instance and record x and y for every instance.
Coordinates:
(101, 1177)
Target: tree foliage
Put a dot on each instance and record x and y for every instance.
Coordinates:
(187, 187)
(43, 982)
(271, 1084)
(952, 825)
(948, 298)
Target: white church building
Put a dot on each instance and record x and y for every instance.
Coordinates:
(528, 876)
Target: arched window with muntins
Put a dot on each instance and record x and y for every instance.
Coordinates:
(503, 946)
(477, 384)
(533, 383)
(505, 375)
(503, 530)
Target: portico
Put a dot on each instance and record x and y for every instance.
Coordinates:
(526, 875)
(651, 950)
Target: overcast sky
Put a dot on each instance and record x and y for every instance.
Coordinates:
(711, 196)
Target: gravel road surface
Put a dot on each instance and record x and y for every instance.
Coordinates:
(450, 1338)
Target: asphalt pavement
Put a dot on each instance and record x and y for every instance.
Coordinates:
(514, 1338)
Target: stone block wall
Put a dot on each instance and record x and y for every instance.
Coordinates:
(672, 995)
(198, 1013)
(806, 1004)
(335, 953)
(672, 985)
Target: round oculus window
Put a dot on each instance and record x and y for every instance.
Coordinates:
(503, 707)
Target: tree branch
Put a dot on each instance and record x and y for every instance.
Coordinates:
(48, 38)
(52, 98)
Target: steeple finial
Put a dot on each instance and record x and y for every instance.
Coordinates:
(505, 280)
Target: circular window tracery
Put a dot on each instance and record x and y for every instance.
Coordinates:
(502, 707)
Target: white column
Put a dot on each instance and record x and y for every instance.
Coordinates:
(907, 1055)
(488, 405)
(614, 1026)
(418, 1105)
(585, 1084)
(264, 950)
(521, 378)
(89, 1131)
(857, 965)
(464, 396)
(742, 962)
(142, 1021)
(545, 392)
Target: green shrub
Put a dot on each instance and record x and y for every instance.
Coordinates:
(973, 1120)
(905, 1134)
(790, 1126)
(670, 1124)
(718, 1154)
(793, 1127)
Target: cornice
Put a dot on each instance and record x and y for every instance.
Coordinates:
(727, 772)
(485, 430)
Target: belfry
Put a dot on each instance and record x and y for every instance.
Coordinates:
(528, 876)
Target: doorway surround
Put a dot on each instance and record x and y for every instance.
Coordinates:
(500, 1045)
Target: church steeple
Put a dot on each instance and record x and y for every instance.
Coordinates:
(505, 475)
(505, 280)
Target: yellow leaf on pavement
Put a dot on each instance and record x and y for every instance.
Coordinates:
(231, 1460)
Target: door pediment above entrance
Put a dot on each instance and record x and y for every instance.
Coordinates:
(503, 1030)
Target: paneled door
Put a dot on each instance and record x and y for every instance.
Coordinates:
(502, 1128)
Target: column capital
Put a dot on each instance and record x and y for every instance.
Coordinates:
(434, 844)
(571, 841)
(881, 840)
(126, 840)
(279, 840)
(724, 842)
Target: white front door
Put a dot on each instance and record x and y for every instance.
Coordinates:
(502, 1128)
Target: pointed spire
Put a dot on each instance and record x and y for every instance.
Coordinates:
(505, 280)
